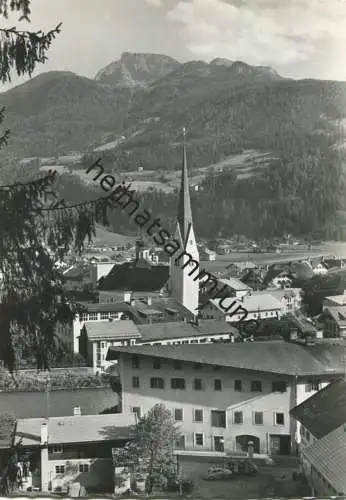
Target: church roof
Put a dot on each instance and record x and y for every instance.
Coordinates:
(184, 206)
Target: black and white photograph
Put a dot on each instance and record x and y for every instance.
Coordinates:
(173, 249)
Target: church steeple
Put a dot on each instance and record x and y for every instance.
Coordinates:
(184, 286)
(184, 207)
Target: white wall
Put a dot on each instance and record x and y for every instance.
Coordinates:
(208, 399)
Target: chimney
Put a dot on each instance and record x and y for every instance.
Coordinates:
(149, 301)
(77, 411)
(44, 433)
(44, 457)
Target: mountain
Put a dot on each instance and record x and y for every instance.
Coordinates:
(59, 112)
(286, 135)
(133, 70)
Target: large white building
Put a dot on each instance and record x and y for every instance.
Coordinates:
(182, 287)
(225, 395)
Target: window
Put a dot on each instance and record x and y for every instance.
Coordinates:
(256, 386)
(197, 384)
(178, 415)
(84, 317)
(103, 345)
(312, 386)
(135, 362)
(218, 418)
(237, 385)
(92, 316)
(216, 368)
(197, 366)
(199, 439)
(59, 469)
(104, 315)
(177, 365)
(157, 383)
(198, 415)
(179, 443)
(177, 383)
(83, 467)
(279, 418)
(238, 417)
(135, 382)
(157, 363)
(57, 449)
(258, 417)
(279, 386)
(137, 411)
(217, 384)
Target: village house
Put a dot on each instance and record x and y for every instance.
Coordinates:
(333, 320)
(96, 337)
(258, 306)
(322, 447)
(224, 395)
(335, 300)
(237, 269)
(62, 450)
(290, 298)
(141, 310)
(232, 287)
(206, 254)
(281, 280)
(197, 332)
(319, 268)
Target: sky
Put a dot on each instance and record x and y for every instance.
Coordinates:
(298, 38)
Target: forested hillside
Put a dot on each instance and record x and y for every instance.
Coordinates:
(227, 109)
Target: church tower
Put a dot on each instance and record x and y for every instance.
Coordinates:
(185, 288)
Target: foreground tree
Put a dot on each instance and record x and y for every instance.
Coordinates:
(153, 443)
(33, 234)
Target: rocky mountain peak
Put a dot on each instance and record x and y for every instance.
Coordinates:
(136, 69)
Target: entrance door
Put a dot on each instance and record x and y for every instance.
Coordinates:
(280, 444)
(219, 443)
(242, 443)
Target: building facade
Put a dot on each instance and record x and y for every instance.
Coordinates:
(222, 396)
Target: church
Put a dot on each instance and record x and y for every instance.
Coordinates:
(183, 283)
(182, 277)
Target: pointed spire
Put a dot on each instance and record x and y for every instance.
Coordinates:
(184, 207)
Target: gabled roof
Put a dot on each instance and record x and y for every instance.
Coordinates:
(339, 300)
(235, 284)
(166, 309)
(338, 313)
(76, 429)
(328, 456)
(251, 303)
(269, 357)
(180, 329)
(324, 411)
(112, 329)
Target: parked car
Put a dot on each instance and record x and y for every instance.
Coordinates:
(242, 467)
(218, 473)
